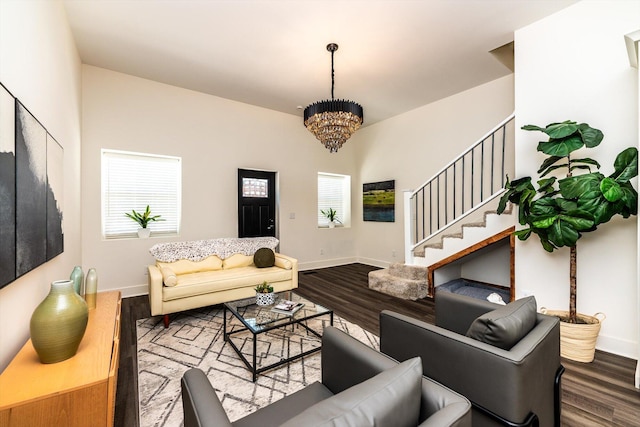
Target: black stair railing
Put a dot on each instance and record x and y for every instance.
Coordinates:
(467, 183)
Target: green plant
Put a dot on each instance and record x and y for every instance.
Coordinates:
(143, 219)
(264, 288)
(561, 210)
(331, 215)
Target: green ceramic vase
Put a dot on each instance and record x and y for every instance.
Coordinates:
(58, 323)
(77, 277)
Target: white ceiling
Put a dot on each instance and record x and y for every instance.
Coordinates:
(394, 56)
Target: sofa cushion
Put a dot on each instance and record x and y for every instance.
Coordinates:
(168, 276)
(206, 282)
(264, 257)
(391, 398)
(507, 325)
(185, 266)
(236, 261)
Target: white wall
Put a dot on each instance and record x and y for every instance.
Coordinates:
(573, 65)
(214, 137)
(412, 147)
(493, 266)
(39, 64)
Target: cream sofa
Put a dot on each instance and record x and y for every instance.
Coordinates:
(185, 284)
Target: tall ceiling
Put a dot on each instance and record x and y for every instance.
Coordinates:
(394, 55)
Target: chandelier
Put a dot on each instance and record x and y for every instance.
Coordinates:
(333, 121)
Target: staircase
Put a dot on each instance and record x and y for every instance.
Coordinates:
(451, 212)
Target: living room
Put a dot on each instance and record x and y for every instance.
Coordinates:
(88, 108)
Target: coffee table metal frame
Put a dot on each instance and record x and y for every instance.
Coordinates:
(277, 321)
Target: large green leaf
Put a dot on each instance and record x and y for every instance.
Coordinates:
(552, 168)
(626, 165)
(543, 207)
(546, 185)
(561, 130)
(629, 200)
(533, 127)
(611, 190)
(523, 234)
(587, 161)
(580, 220)
(561, 147)
(545, 222)
(590, 136)
(575, 186)
(548, 162)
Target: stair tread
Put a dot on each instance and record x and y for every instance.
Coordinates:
(460, 235)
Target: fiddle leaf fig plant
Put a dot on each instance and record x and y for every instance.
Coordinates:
(561, 209)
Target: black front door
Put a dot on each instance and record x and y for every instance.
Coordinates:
(256, 203)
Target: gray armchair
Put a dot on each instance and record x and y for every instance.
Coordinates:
(360, 386)
(516, 386)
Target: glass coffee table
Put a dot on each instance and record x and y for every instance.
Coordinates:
(258, 321)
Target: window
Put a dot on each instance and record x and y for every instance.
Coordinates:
(255, 187)
(334, 191)
(133, 181)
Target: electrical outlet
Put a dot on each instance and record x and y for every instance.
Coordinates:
(146, 270)
(321, 251)
(393, 253)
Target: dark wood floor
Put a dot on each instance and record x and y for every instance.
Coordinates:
(594, 394)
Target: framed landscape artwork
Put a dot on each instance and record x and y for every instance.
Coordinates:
(379, 201)
(31, 182)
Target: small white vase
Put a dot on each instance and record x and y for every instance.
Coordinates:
(144, 233)
(332, 224)
(91, 288)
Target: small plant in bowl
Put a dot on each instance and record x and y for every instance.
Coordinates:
(264, 294)
(143, 219)
(332, 216)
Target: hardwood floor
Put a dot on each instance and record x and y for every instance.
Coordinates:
(600, 393)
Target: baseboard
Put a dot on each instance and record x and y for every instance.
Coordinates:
(133, 291)
(312, 265)
(617, 346)
(374, 262)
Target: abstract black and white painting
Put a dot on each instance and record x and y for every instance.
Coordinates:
(7, 188)
(55, 181)
(31, 183)
(31, 191)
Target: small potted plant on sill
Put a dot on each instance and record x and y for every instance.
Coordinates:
(264, 294)
(560, 210)
(332, 216)
(143, 219)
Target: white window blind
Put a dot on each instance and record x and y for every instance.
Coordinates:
(133, 181)
(334, 191)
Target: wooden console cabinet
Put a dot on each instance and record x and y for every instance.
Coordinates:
(79, 391)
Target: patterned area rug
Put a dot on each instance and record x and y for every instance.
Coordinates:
(195, 339)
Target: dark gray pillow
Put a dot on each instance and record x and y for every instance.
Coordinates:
(391, 398)
(507, 325)
(264, 257)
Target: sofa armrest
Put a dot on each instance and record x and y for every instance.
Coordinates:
(441, 406)
(469, 366)
(200, 404)
(283, 261)
(347, 362)
(155, 290)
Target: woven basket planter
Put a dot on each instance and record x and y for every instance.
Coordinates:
(578, 341)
